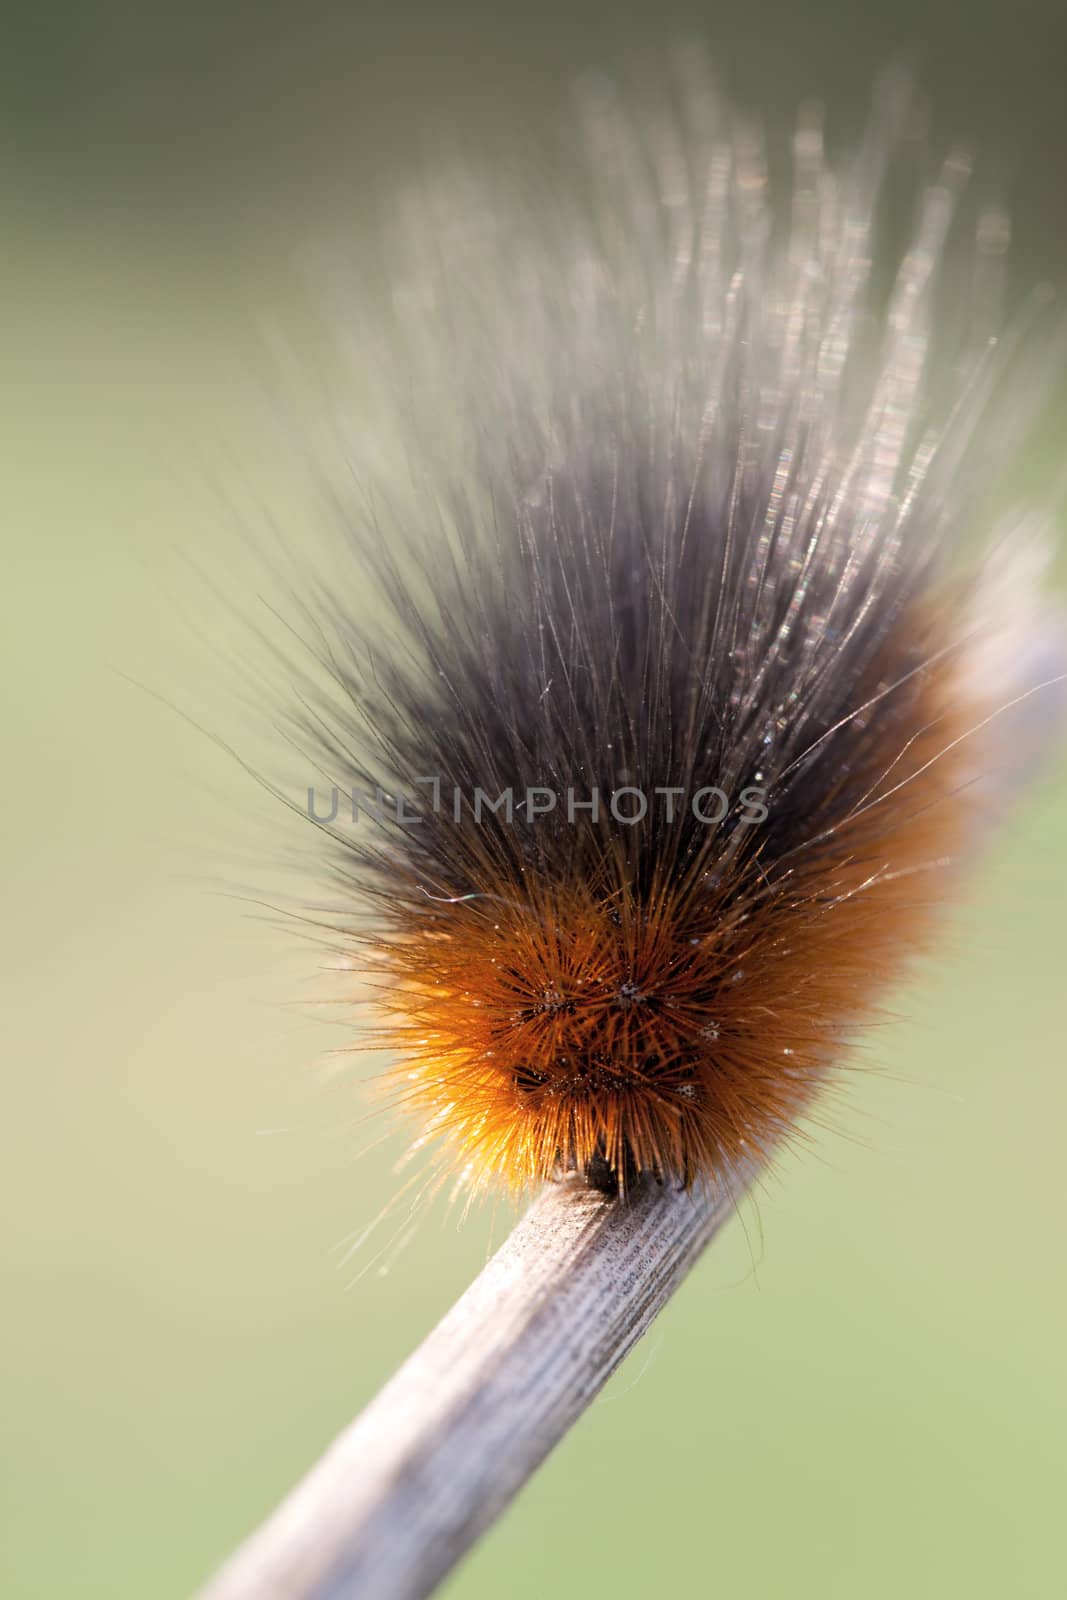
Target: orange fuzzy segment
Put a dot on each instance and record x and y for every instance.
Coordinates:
(683, 1032)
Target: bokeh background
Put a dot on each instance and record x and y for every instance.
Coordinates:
(862, 1389)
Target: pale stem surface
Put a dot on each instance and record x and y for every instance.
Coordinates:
(408, 1487)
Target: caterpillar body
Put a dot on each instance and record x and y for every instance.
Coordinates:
(675, 660)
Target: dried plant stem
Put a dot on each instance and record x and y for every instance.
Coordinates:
(406, 1490)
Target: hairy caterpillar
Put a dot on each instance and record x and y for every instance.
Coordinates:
(674, 712)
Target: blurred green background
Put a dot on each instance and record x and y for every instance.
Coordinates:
(862, 1389)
